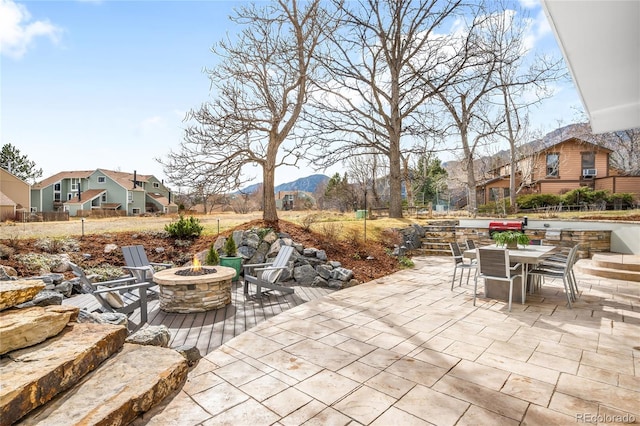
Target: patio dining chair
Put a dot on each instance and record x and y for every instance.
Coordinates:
(493, 264)
(561, 268)
(460, 264)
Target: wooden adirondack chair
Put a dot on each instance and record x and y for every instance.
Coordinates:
(138, 264)
(122, 295)
(266, 274)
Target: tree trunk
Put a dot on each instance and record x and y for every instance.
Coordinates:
(269, 212)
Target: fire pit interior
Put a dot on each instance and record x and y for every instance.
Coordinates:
(194, 288)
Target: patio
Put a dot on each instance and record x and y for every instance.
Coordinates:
(405, 349)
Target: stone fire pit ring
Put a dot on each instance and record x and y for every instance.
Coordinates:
(194, 293)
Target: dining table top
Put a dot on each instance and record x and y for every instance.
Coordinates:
(531, 254)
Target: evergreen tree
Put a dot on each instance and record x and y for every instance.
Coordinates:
(18, 165)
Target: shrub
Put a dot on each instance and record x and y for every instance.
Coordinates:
(184, 228)
(230, 247)
(391, 238)
(6, 251)
(532, 201)
(405, 262)
(332, 230)
(57, 245)
(309, 220)
(212, 258)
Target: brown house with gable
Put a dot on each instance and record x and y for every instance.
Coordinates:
(558, 168)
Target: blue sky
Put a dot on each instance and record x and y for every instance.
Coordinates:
(106, 84)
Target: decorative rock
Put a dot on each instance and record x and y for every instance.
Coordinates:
(253, 240)
(13, 293)
(322, 255)
(111, 318)
(44, 298)
(143, 376)
(65, 288)
(342, 274)
(7, 272)
(318, 281)
(31, 377)
(190, 353)
(334, 263)
(324, 271)
(310, 252)
(20, 328)
(110, 247)
(151, 336)
(61, 265)
(270, 238)
(337, 284)
(159, 250)
(304, 274)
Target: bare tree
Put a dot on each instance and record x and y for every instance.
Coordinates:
(259, 89)
(519, 88)
(387, 60)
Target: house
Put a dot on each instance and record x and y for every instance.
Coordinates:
(294, 200)
(83, 192)
(15, 196)
(557, 168)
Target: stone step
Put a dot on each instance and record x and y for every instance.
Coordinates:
(122, 388)
(32, 376)
(14, 292)
(588, 266)
(21, 328)
(627, 262)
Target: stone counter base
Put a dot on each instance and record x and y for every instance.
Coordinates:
(201, 297)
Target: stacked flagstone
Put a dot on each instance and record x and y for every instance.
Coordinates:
(54, 368)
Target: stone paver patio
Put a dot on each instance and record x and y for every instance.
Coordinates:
(406, 350)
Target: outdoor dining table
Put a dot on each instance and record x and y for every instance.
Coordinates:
(527, 256)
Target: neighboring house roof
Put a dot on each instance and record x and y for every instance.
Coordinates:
(110, 206)
(82, 174)
(574, 139)
(85, 196)
(6, 201)
(160, 199)
(126, 179)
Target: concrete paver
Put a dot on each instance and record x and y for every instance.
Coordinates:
(406, 349)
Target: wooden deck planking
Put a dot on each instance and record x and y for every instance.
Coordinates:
(209, 330)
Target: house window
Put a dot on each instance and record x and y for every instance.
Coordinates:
(135, 211)
(103, 198)
(102, 179)
(74, 183)
(156, 185)
(589, 165)
(34, 209)
(130, 196)
(553, 165)
(57, 196)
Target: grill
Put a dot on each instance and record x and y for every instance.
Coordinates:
(506, 226)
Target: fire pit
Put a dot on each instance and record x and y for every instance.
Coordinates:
(194, 288)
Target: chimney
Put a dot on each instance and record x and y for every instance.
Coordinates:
(135, 178)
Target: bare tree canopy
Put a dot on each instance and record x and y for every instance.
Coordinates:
(259, 88)
(388, 58)
(490, 97)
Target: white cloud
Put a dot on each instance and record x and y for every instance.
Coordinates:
(530, 4)
(149, 126)
(17, 33)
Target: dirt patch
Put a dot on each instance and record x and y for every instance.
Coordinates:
(367, 260)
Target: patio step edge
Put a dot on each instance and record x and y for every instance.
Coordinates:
(123, 387)
(588, 266)
(627, 262)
